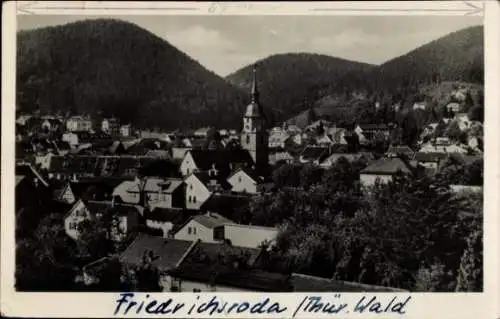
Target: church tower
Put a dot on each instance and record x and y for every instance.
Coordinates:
(254, 136)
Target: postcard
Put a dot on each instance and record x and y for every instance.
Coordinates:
(250, 159)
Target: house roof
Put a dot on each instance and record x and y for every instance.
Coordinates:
(306, 283)
(430, 157)
(373, 127)
(173, 215)
(154, 185)
(251, 279)
(401, 149)
(388, 166)
(168, 251)
(205, 178)
(250, 172)
(211, 220)
(314, 153)
(204, 159)
(224, 203)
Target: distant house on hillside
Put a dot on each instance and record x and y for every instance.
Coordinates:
(419, 106)
(111, 126)
(79, 124)
(383, 170)
(453, 107)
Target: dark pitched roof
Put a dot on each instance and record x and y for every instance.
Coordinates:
(224, 204)
(222, 159)
(401, 149)
(251, 279)
(430, 157)
(175, 216)
(314, 153)
(305, 283)
(373, 127)
(169, 251)
(388, 166)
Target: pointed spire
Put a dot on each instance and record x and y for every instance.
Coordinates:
(254, 92)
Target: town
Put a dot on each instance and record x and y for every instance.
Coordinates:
(107, 207)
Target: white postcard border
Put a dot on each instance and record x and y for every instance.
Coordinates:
(428, 305)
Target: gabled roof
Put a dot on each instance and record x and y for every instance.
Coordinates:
(373, 127)
(155, 185)
(250, 172)
(388, 166)
(401, 149)
(224, 203)
(204, 159)
(430, 157)
(168, 251)
(175, 216)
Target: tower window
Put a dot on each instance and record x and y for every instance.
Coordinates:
(248, 139)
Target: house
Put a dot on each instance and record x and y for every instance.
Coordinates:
(383, 170)
(238, 271)
(280, 156)
(163, 193)
(202, 132)
(51, 125)
(246, 180)
(430, 160)
(222, 161)
(351, 157)
(442, 144)
(70, 138)
(419, 105)
(313, 155)
(397, 150)
(127, 217)
(77, 214)
(164, 254)
(307, 283)
(78, 124)
(466, 189)
(227, 204)
(337, 135)
(453, 107)
(463, 121)
(201, 227)
(368, 131)
(324, 140)
(164, 219)
(198, 189)
(111, 126)
(126, 130)
(277, 139)
(249, 236)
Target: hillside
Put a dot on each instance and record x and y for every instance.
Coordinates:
(457, 57)
(112, 67)
(285, 80)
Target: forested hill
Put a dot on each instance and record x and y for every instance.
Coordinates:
(116, 68)
(332, 83)
(285, 80)
(458, 56)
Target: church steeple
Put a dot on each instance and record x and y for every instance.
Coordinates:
(255, 90)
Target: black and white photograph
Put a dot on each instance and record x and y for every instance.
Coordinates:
(249, 153)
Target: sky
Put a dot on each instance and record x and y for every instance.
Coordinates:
(223, 44)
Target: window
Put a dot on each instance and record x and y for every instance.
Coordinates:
(190, 186)
(248, 139)
(194, 230)
(196, 290)
(189, 230)
(239, 179)
(189, 199)
(194, 199)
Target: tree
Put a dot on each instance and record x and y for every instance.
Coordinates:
(310, 175)
(470, 270)
(287, 175)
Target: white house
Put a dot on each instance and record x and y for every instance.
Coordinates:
(250, 236)
(126, 130)
(71, 139)
(163, 193)
(201, 227)
(110, 126)
(383, 170)
(244, 180)
(277, 139)
(77, 214)
(197, 191)
(453, 107)
(419, 105)
(78, 124)
(463, 121)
